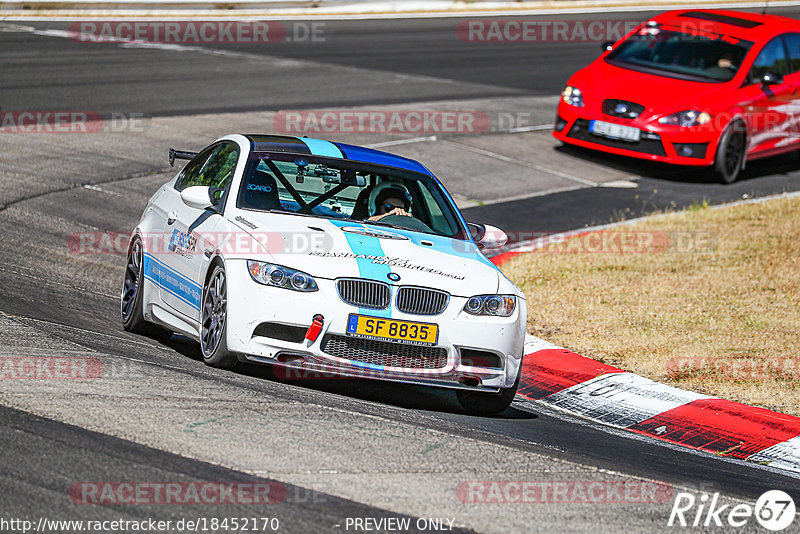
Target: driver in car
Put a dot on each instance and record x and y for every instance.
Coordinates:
(389, 198)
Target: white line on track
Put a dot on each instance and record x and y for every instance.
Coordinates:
(245, 14)
(403, 141)
(520, 162)
(538, 127)
(23, 318)
(275, 61)
(100, 190)
(62, 284)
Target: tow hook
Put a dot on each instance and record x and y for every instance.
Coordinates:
(316, 327)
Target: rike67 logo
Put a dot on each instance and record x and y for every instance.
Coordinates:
(774, 510)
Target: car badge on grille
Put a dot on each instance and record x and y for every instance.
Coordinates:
(621, 109)
(394, 277)
(369, 232)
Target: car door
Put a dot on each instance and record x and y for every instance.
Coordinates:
(164, 207)
(188, 232)
(768, 106)
(792, 42)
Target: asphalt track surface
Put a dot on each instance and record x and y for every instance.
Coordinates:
(51, 301)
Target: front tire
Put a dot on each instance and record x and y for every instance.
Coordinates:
(214, 322)
(479, 403)
(731, 150)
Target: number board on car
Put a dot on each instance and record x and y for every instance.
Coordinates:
(615, 131)
(383, 329)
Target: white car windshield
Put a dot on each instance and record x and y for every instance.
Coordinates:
(332, 188)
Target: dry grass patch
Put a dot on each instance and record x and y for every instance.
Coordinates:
(712, 305)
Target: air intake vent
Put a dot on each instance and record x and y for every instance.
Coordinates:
(622, 108)
(284, 332)
(421, 301)
(364, 293)
(480, 358)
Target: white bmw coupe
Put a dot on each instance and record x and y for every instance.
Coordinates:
(307, 254)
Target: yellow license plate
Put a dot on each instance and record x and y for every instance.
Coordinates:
(389, 329)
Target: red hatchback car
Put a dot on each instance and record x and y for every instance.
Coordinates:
(691, 87)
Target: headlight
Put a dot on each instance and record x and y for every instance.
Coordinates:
(279, 276)
(572, 96)
(686, 118)
(499, 305)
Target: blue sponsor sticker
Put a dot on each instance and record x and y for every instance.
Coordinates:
(182, 243)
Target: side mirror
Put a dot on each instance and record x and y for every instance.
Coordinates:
(477, 231)
(198, 197)
(487, 237)
(607, 45)
(770, 78)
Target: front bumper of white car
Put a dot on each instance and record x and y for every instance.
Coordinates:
(269, 324)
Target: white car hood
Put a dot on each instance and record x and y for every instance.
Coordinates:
(327, 248)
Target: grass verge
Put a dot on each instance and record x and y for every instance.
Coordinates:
(704, 299)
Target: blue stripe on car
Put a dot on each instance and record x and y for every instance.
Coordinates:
(318, 147)
(455, 247)
(377, 157)
(369, 246)
(172, 281)
(366, 365)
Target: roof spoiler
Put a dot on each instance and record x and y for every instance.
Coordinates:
(179, 154)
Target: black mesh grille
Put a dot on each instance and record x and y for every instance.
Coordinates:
(385, 353)
(647, 145)
(364, 293)
(421, 301)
